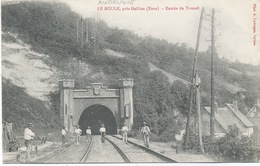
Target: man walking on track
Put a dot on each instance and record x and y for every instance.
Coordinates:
(78, 132)
(28, 137)
(124, 132)
(145, 131)
(63, 136)
(88, 133)
(102, 131)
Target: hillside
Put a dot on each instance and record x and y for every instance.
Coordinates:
(26, 68)
(39, 47)
(152, 67)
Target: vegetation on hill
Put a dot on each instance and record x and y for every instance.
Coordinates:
(20, 108)
(50, 28)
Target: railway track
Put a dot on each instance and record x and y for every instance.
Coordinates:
(83, 159)
(107, 152)
(72, 154)
(139, 153)
(95, 151)
(114, 150)
(123, 155)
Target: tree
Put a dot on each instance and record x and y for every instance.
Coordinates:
(181, 96)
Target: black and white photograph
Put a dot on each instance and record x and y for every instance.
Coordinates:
(130, 81)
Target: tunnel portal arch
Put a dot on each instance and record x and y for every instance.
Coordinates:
(76, 104)
(96, 115)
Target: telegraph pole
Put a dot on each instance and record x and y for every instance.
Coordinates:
(197, 83)
(82, 34)
(77, 23)
(87, 27)
(194, 72)
(212, 114)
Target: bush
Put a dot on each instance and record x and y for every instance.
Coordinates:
(8, 38)
(236, 147)
(209, 146)
(167, 136)
(193, 143)
(133, 133)
(19, 108)
(154, 137)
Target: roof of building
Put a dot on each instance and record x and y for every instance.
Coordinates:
(252, 112)
(228, 116)
(242, 117)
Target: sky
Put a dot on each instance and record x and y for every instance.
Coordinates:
(235, 22)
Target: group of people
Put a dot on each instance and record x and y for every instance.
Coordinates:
(29, 136)
(78, 132)
(145, 130)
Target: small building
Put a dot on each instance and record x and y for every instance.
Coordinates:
(225, 117)
(254, 116)
(254, 112)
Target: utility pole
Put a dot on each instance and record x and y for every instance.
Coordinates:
(77, 30)
(95, 30)
(193, 79)
(212, 114)
(82, 34)
(87, 31)
(197, 83)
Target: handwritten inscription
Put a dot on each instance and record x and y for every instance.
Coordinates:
(116, 2)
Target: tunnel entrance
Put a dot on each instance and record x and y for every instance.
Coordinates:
(96, 115)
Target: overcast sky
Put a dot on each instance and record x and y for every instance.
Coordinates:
(235, 19)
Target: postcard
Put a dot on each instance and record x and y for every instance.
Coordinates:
(130, 81)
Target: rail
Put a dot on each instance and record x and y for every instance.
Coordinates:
(59, 153)
(163, 157)
(72, 143)
(122, 154)
(87, 151)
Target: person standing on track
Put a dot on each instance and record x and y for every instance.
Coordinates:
(78, 132)
(124, 133)
(88, 133)
(63, 136)
(28, 137)
(146, 132)
(102, 131)
(179, 139)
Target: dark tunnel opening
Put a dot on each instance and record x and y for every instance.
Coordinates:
(96, 115)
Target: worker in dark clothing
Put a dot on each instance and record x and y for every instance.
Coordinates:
(145, 130)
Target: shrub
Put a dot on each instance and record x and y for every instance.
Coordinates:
(133, 133)
(236, 147)
(167, 136)
(209, 146)
(193, 143)
(154, 137)
(8, 38)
